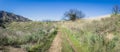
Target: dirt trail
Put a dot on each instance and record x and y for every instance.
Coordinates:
(56, 44)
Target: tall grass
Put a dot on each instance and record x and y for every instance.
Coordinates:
(97, 36)
(32, 36)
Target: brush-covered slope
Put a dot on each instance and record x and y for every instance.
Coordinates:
(95, 36)
(27, 36)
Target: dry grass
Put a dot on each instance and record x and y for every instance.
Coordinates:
(31, 36)
(96, 35)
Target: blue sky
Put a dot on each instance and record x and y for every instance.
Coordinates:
(54, 9)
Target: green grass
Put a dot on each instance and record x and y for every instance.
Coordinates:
(75, 43)
(66, 47)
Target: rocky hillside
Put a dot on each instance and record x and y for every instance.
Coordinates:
(7, 17)
(12, 17)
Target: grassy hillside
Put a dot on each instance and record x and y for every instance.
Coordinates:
(94, 36)
(78, 36)
(29, 36)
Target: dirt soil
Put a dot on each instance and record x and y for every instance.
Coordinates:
(56, 44)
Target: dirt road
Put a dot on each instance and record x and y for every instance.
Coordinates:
(56, 44)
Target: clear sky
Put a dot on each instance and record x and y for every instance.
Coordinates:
(54, 9)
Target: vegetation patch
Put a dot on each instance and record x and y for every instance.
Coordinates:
(32, 36)
(97, 36)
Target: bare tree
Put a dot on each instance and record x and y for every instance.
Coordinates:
(74, 14)
(116, 10)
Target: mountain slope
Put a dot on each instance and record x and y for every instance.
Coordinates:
(7, 17)
(12, 17)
